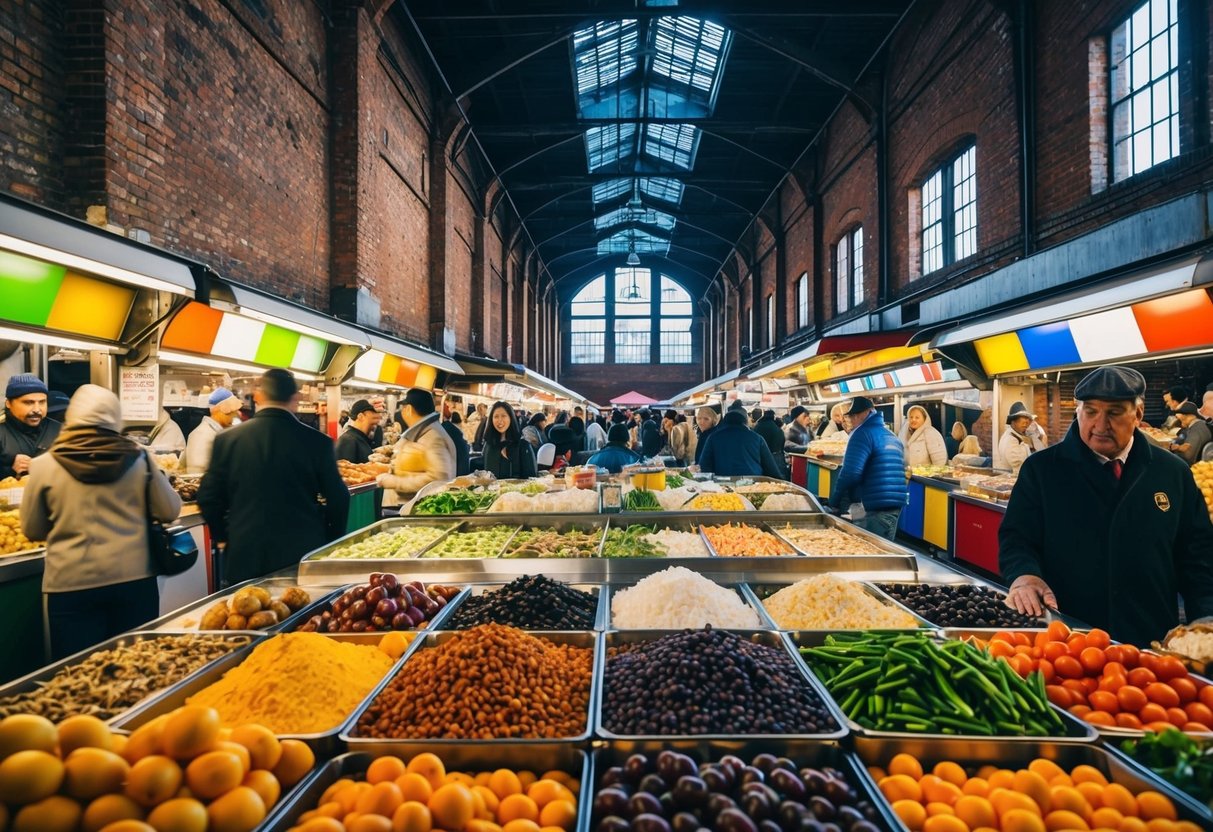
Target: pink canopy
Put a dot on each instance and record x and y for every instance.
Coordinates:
(632, 398)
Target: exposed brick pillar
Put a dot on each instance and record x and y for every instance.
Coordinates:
(439, 220)
(478, 317)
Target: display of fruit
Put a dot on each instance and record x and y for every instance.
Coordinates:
(401, 543)
(1203, 473)
(949, 797)
(383, 603)
(355, 473)
(670, 791)
(1109, 685)
(421, 794)
(253, 608)
(12, 539)
(179, 772)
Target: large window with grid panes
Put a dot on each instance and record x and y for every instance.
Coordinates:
(802, 301)
(949, 212)
(647, 316)
(848, 270)
(1144, 88)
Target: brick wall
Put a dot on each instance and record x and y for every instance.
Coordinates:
(32, 70)
(797, 251)
(599, 383)
(849, 199)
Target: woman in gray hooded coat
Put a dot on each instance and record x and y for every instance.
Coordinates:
(89, 498)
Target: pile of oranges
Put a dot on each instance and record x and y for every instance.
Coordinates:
(1109, 685)
(420, 796)
(182, 772)
(1040, 798)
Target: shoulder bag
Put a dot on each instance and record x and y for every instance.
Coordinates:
(171, 553)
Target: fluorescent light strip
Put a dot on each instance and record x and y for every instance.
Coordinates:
(362, 384)
(53, 340)
(294, 327)
(84, 264)
(212, 363)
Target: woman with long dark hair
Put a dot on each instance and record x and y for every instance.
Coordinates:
(507, 455)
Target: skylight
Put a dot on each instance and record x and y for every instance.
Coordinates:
(645, 216)
(604, 53)
(607, 145)
(690, 51)
(645, 243)
(674, 143)
(667, 190)
(610, 189)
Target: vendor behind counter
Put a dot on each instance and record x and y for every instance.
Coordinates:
(27, 430)
(1106, 527)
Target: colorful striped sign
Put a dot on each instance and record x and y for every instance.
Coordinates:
(48, 296)
(1176, 322)
(199, 329)
(384, 368)
(904, 377)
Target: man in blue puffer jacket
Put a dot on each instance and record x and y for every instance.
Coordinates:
(873, 471)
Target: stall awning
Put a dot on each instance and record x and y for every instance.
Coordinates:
(631, 399)
(488, 371)
(1147, 314)
(832, 345)
(68, 284)
(711, 384)
(248, 330)
(394, 363)
(48, 236)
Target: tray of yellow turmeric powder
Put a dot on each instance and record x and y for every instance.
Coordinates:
(300, 685)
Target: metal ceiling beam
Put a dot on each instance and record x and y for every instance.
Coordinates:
(615, 9)
(536, 154)
(557, 182)
(521, 56)
(593, 252)
(817, 65)
(525, 131)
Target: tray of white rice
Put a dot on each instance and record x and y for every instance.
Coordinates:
(569, 501)
(678, 598)
(830, 602)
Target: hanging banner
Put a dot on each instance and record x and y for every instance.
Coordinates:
(138, 392)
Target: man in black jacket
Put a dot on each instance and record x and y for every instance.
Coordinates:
(27, 431)
(1106, 527)
(355, 443)
(272, 493)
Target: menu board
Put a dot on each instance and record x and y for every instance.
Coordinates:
(137, 390)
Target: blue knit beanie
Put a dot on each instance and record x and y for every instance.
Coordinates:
(23, 385)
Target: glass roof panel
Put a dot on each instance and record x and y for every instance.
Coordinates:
(674, 143)
(644, 242)
(607, 145)
(667, 190)
(644, 216)
(609, 189)
(604, 53)
(690, 51)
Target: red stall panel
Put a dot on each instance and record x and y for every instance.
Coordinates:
(975, 535)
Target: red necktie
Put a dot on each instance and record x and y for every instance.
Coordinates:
(1115, 466)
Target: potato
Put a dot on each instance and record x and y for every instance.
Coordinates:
(215, 617)
(235, 621)
(246, 603)
(262, 595)
(263, 619)
(281, 610)
(295, 598)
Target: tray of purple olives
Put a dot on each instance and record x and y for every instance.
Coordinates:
(731, 786)
(385, 602)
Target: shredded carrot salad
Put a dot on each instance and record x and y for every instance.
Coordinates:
(742, 540)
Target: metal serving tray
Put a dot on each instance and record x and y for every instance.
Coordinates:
(175, 621)
(767, 637)
(43, 675)
(1140, 770)
(470, 525)
(754, 523)
(893, 557)
(661, 523)
(1050, 615)
(324, 743)
(435, 623)
(1079, 731)
(443, 525)
(561, 525)
(484, 756)
(703, 750)
(743, 590)
(428, 641)
(601, 614)
(763, 591)
(976, 752)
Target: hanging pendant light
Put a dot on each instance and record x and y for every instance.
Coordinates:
(633, 258)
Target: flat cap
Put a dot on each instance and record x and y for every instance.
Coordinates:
(1112, 384)
(1188, 408)
(857, 405)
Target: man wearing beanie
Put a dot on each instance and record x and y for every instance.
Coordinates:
(424, 454)
(27, 431)
(224, 405)
(616, 454)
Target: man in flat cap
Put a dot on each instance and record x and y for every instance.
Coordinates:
(1193, 435)
(1106, 527)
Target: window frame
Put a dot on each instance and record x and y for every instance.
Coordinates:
(848, 287)
(949, 237)
(802, 301)
(1169, 79)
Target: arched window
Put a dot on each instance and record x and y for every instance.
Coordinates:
(636, 306)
